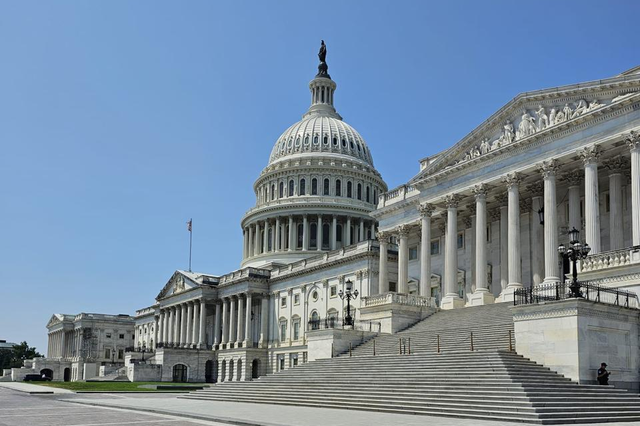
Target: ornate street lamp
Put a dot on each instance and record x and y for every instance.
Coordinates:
(576, 251)
(144, 348)
(348, 295)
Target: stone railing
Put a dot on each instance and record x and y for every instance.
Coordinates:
(398, 299)
(244, 273)
(311, 200)
(610, 259)
(396, 195)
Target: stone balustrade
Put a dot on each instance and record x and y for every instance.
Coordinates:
(610, 259)
(398, 299)
(398, 194)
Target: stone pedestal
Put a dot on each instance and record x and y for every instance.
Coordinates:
(479, 298)
(451, 302)
(574, 336)
(394, 311)
(330, 342)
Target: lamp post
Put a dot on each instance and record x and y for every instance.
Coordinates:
(576, 251)
(144, 348)
(348, 294)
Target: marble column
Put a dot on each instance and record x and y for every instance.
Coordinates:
(512, 180)
(451, 299)
(403, 259)
(537, 232)
(481, 295)
(225, 321)
(245, 242)
(633, 142)
(240, 322)
(233, 321)
(373, 229)
(334, 232)
(276, 235)
(292, 245)
(199, 331)
(305, 233)
(264, 320)
(319, 233)
(177, 321)
(189, 326)
(348, 240)
(504, 241)
(265, 237)
(426, 210)
(383, 270)
(217, 326)
(156, 327)
(361, 236)
(590, 156)
(168, 327)
(183, 325)
(616, 229)
(248, 330)
(548, 169)
(256, 245)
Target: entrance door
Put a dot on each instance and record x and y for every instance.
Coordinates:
(255, 365)
(46, 372)
(180, 373)
(208, 371)
(67, 374)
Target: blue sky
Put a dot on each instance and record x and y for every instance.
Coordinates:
(120, 120)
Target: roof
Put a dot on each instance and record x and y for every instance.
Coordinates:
(6, 345)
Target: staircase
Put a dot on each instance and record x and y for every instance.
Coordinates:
(488, 383)
(491, 325)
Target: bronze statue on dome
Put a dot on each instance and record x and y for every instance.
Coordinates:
(322, 55)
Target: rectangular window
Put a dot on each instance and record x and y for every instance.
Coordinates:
(283, 302)
(435, 247)
(489, 233)
(295, 361)
(108, 335)
(460, 240)
(283, 331)
(296, 299)
(282, 363)
(413, 253)
(107, 353)
(392, 286)
(120, 353)
(333, 291)
(296, 330)
(121, 336)
(607, 203)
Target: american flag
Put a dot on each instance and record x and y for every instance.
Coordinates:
(189, 224)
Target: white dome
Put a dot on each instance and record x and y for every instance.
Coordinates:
(319, 133)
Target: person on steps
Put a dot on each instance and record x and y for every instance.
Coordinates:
(603, 374)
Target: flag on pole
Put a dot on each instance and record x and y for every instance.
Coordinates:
(189, 225)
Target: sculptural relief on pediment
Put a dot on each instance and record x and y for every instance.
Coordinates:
(530, 122)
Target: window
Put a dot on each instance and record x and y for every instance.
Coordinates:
(108, 336)
(295, 361)
(120, 353)
(315, 140)
(300, 235)
(335, 141)
(107, 353)
(314, 296)
(392, 286)
(314, 186)
(413, 253)
(338, 188)
(296, 330)
(283, 331)
(133, 336)
(333, 291)
(281, 192)
(273, 192)
(489, 233)
(375, 196)
(344, 143)
(291, 188)
(359, 192)
(281, 363)
(460, 240)
(435, 247)
(325, 140)
(303, 187)
(339, 232)
(296, 299)
(607, 203)
(349, 190)
(315, 320)
(326, 187)
(122, 336)
(283, 302)
(313, 241)
(325, 236)
(368, 197)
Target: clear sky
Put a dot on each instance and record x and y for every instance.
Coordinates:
(120, 120)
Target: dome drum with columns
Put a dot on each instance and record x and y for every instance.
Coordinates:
(317, 191)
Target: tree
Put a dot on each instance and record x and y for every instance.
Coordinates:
(13, 358)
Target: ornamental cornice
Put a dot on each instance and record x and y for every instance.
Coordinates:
(580, 308)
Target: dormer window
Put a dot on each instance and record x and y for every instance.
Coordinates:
(335, 141)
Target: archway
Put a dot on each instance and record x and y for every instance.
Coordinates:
(67, 374)
(239, 370)
(47, 372)
(230, 379)
(255, 369)
(208, 371)
(180, 373)
(223, 371)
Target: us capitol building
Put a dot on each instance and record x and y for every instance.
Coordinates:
(477, 222)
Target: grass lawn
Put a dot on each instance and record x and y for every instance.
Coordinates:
(110, 386)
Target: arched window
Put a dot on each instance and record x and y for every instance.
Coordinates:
(306, 140)
(291, 188)
(326, 187)
(325, 140)
(315, 320)
(315, 140)
(368, 197)
(270, 240)
(303, 187)
(281, 191)
(359, 192)
(335, 141)
(273, 192)
(338, 188)
(375, 196)
(352, 146)
(300, 235)
(349, 190)
(339, 233)
(313, 240)
(325, 236)
(314, 186)
(344, 143)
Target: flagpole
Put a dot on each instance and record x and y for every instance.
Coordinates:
(190, 241)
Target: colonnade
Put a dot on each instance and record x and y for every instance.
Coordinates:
(65, 343)
(509, 216)
(183, 324)
(280, 234)
(233, 324)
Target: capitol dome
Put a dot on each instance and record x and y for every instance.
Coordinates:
(318, 189)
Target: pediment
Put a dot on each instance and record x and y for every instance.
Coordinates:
(178, 283)
(55, 319)
(526, 117)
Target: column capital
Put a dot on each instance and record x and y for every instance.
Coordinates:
(480, 190)
(548, 168)
(590, 154)
(525, 205)
(471, 208)
(426, 209)
(452, 200)
(573, 178)
(403, 230)
(512, 180)
(615, 164)
(536, 189)
(383, 237)
(633, 140)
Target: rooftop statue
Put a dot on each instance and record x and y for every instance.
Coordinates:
(322, 55)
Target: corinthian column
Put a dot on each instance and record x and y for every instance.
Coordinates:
(264, 320)
(292, 245)
(548, 169)
(189, 326)
(403, 260)
(537, 232)
(305, 233)
(256, 246)
(633, 141)
(426, 210)
(248, 332)
(276, 235)
(232, 321)
(512, 180)
(240, 322)
(225, 321)
(451, 300)
(319, 233)
(481, 296)
(383, 271)
(217, 328)
(590, 156)
(616, 235)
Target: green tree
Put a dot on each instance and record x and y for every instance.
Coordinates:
(13, 358)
